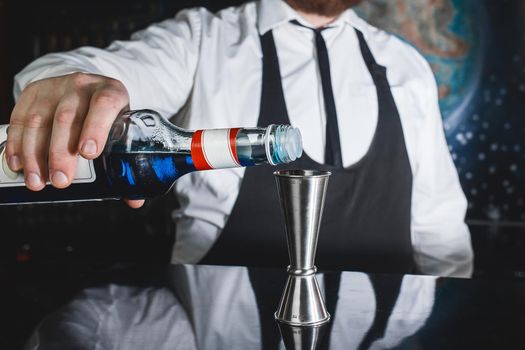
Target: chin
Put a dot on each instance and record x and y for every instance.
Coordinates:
(327, 8)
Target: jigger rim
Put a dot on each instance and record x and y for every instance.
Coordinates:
(302, 173)
(317, 323)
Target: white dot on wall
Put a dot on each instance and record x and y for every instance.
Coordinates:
(510, 190)
(494, 146)
(481, 156)
(485, 125)
(505, 183)
(493, 213)
(498, 102)
(475, 117)
(454, 156)
(461, 138)
(513, 168)
(473, 191)
(469, 135)
(507, 125)
(468, 175)
(487, 96)
(492, 169)
(516, 148)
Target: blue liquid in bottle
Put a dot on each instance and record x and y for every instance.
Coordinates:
(145, 175)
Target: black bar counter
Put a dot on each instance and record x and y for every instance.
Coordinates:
(219, 307)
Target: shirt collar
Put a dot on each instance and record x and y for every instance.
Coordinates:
(273, 13)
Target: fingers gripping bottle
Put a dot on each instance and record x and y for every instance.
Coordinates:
(145, 154)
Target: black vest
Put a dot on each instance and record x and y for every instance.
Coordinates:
(366, 220)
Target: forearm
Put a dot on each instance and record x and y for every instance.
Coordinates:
(156, 65)
(51, 65)
(444, 256)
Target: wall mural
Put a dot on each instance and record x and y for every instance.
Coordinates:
(476, 51)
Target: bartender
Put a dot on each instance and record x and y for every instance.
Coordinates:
(365, 102)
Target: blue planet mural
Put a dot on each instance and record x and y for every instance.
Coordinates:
(476, 50)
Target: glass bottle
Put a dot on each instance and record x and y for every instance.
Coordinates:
(145, 154)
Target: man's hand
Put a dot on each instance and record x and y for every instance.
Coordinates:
(58, 118)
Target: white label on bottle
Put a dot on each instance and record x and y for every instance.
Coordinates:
(217, 149)
(8, 178)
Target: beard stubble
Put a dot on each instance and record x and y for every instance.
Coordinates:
(327, 8)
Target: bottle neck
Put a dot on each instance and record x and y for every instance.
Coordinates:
(145, 131)
(228, 148)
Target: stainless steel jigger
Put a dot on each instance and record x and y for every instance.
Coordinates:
(302, 194)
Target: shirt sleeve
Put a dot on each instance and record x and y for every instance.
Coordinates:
(156, 65)
(440, 237)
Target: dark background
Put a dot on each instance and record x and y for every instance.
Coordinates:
(41, 240)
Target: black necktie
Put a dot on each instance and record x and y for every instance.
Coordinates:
(332, 151)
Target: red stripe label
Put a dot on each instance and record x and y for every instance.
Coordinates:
(233, 144)
(197, 152)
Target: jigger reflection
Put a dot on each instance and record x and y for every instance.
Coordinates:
(302, 338)
(302, 194)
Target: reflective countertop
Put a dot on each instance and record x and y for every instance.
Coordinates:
(219, 307)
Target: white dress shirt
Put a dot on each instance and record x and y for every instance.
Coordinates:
(204, 70)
